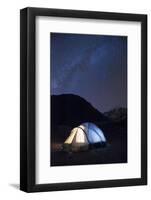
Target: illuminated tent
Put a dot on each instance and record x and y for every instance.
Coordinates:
(83, 137)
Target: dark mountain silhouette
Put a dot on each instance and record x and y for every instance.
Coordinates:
(117, 114)
(69, 111)
(72, 110)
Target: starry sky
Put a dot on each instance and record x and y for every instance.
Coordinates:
(91, 66)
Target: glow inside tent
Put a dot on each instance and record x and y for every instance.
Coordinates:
(84, 136)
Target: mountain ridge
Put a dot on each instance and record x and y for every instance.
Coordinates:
(117, 114)
(70, 109)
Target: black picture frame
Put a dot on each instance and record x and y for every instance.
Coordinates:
(28, 98)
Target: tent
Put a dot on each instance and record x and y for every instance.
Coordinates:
(83, 137)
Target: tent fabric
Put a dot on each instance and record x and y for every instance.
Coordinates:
(84, 136)
(80, 137)
(90, 128)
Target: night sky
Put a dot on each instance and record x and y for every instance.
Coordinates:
(91, 66)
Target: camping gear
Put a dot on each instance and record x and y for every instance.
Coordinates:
(84, 137)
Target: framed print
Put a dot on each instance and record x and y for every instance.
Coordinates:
(83, 99)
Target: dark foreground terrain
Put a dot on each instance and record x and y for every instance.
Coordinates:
(69, 111)
(114, 152)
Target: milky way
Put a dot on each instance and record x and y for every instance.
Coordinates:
(91, 66)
